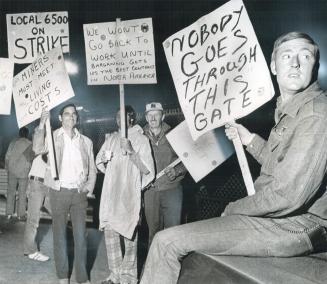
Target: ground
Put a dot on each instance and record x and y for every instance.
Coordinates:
(15, 268)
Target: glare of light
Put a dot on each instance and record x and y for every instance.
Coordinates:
(71, 67)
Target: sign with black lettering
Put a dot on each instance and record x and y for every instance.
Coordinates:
(120, 52)
(32, 34)
(43, 84)
(219, 70)
(6, 78)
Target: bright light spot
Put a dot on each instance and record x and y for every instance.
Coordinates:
(71, 67)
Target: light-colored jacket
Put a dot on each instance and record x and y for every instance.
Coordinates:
(121, 192)
(86, 148)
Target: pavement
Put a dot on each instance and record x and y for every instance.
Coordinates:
(15, 268)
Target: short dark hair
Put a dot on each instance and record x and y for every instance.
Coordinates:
(66, 106)
(129, 110)
(23, 132)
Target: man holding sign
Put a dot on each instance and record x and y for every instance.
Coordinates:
(287, 215)
(68, 194)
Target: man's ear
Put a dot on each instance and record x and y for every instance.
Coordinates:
(60, 118)
(273, 67)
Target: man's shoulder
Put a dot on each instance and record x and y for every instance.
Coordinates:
(316, 107)
(86, 139)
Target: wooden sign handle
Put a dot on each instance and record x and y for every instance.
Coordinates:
(50, 149)
(244, 165)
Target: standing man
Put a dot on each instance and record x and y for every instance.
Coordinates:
(163, 201)
(287, 215)
(128, 167)
(18, 161)
(37, 194)
(68, 193)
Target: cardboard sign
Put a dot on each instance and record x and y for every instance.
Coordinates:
(43, 84)
(120, 52)
(32, 34)
(218, 68)
(6, 78)
(203, 156)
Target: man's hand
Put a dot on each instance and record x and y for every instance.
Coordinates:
(126, 145)
(171, 173)
(44, 116)
(232, 129)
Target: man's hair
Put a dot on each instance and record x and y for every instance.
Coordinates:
(66, 106)
(23, 132)
(129, 110)
(295, 35)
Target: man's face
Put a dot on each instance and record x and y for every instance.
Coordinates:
(154, 118)
(293, 65)
(68, 118)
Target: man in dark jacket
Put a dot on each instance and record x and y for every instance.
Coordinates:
(163, 201)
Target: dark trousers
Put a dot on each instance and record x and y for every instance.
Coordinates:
(62, 203)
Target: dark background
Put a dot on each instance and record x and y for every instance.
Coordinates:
(270, 19)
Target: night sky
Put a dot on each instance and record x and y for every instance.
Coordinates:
(270, 18)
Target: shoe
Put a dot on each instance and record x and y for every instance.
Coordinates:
(22, 219)
(108, 281)
(38, 256)
(64, 281)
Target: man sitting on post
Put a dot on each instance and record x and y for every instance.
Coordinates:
(287, 215)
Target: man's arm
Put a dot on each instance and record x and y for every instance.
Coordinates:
(296, 177)
(91, 179)
(39, 145)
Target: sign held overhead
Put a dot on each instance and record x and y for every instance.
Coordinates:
(120, 52)
(218, 68)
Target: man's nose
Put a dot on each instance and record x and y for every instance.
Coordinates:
(295, 62)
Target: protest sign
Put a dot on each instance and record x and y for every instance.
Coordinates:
(43, 84)
(6, 78)
(218, 68)
(202, 156)
(120, 52)
(32, 34)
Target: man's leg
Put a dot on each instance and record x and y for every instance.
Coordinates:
(78, 217)
(171, 206)
(11, 194)
(231, 235)
(114, 254)
(151, 210)
(60, 202)
(21, 208)
(36, 194)
(129, 266)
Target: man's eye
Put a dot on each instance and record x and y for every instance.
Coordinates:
(286, 56)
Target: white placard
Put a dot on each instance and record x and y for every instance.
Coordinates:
(32, 34)
(204, 155)
(43, 84)
(218, 68)
(6, 78)
(120, 52)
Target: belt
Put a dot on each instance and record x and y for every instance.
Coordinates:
(37, 178)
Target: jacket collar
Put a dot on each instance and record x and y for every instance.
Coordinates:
(61, 131)
(293, 106)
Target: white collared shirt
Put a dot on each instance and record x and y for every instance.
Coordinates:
(71, 174)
